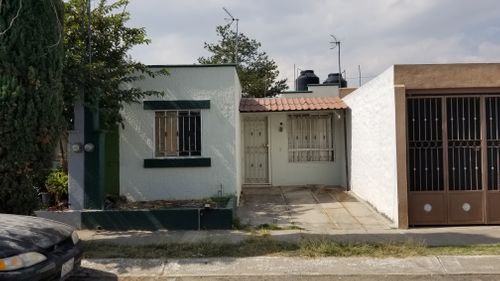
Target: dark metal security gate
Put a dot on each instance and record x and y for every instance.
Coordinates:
(493, 159)
(453, 159)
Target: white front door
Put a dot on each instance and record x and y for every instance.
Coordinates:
(256, 150)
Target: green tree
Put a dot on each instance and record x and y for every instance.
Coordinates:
(258, 73)
(31, 62)
(104, 80)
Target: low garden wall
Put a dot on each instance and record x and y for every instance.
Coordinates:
(154, 219)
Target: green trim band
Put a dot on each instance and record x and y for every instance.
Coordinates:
(176, 104)
(178, 162)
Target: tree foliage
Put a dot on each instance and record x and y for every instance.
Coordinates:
(105, 79)
(31, 62)
(257, 72)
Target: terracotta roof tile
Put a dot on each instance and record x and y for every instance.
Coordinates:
(290, 104)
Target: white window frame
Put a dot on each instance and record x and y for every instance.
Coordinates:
(306, 142)
(157, 143)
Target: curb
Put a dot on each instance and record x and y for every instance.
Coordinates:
(276, 268)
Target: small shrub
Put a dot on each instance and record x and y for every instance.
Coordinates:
(57, 184)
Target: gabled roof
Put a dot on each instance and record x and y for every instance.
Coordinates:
(290, 104)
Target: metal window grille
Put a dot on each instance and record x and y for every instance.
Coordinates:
(425, 144)
(177, 133)
(310, 138)
(464, 143)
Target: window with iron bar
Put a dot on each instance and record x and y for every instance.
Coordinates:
(177, 133)
(310, 137)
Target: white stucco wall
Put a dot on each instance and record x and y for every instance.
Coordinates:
(373, 173)
(284, 173)
(220, 137)
(237, 133)
(324, 90)
(315, 91)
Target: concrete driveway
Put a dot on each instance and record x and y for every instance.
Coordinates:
(317, 210)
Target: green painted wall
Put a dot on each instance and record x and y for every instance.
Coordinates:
(93, 193)
(112, 163)
(154, 219)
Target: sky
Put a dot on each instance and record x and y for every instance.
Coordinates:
(374, 34)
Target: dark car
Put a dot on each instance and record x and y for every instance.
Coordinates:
(33, 248)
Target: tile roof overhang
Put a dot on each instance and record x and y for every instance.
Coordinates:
(291, 104)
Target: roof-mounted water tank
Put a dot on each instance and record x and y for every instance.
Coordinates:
(306, 77)
(333, 78)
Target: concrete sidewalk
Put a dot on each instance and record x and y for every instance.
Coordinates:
(283, 268)
(434, 236)
(315, 209)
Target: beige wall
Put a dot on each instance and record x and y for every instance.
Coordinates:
(448, 76)
(345, 91)
(284, 173)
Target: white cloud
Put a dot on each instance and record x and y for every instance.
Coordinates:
(374, 33)
(172, 48)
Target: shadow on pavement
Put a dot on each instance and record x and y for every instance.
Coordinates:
(84, 273)
(429, 236)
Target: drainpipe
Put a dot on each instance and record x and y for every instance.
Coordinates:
(348, 186)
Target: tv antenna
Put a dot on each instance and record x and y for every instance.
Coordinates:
(232, 19)
(334, 44)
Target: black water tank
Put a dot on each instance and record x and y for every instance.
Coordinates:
(306, 77)
(333, 78)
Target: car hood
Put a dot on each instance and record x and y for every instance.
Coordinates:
(20, 234)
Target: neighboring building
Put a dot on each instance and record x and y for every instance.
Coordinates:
(425, 143)
(294, 139)
(185, 144)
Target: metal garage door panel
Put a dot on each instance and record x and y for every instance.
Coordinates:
(465, 207)
(493, 158)
(463, 162)
(427, 208)
(493, 210)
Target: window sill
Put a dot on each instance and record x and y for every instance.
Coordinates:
(177, 162)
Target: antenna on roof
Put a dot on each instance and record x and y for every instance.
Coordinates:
(334, 45)
(233, 19)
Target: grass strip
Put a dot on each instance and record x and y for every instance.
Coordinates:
(264, 246)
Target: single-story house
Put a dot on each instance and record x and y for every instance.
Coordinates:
(420, 143)
(186, 143)
(193, 143)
